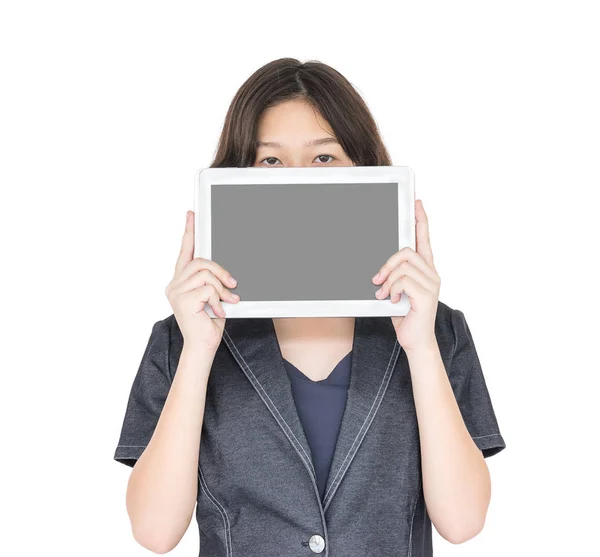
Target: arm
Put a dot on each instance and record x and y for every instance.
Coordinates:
(456, 480)
(160, 436)
(163, 486)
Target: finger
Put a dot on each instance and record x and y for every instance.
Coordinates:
(423, 241)
(207, 295)
(405, 254)
(200, 263)
(204, 277)
(215, 302)
(406, 284)
(405, 269)
(186, 253)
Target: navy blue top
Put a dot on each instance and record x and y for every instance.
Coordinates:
(320, 406)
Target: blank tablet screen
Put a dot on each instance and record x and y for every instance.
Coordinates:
(304, 241)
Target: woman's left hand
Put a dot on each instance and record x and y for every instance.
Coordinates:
(414, 273)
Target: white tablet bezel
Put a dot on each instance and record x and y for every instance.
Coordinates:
(206, 177)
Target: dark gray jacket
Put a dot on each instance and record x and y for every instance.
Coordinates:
(257, 492)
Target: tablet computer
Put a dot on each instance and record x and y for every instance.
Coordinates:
(306, 241)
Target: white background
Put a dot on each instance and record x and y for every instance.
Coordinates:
(109, 108)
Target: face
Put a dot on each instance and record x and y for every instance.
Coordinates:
(294, 134)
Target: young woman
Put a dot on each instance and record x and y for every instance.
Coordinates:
(341, 436)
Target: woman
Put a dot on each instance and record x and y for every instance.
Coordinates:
(340, 436)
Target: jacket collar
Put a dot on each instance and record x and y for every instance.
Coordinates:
(254, 345)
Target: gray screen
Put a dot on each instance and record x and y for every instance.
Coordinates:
(304, 241)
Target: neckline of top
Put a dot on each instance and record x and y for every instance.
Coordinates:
(329, 380)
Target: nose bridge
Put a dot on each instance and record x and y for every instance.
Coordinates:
(295, 157)
(299, 161)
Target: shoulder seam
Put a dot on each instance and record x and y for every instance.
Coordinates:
(459, 314)
(169, 325)
(453, 316)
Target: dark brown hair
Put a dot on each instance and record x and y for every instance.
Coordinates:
(324, 88)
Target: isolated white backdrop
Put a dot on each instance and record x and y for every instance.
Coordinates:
(109, 108)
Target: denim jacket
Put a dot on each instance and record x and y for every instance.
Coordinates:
(257, 490)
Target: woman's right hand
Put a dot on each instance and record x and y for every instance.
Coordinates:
(196, 282)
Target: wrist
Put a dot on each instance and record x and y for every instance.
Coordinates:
(198, 352)
(427, 347)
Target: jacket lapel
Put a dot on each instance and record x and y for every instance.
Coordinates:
(254, 345)
(374, 356)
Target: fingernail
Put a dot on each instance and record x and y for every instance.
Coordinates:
(378, 292)
(232, 280)
(376, 276)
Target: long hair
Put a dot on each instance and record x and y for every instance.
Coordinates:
(324, 88)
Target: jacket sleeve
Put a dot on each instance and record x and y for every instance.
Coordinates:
(147, 396)
(470, 389)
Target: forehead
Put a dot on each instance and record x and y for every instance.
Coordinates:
(292, 122)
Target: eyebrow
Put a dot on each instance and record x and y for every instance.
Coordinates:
(322, 141)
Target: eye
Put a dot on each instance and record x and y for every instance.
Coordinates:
(270, 159)
(325, 162)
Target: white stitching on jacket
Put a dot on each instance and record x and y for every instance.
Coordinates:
(309, 460)
(222, 512)
(366, 419)
(412, 520)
